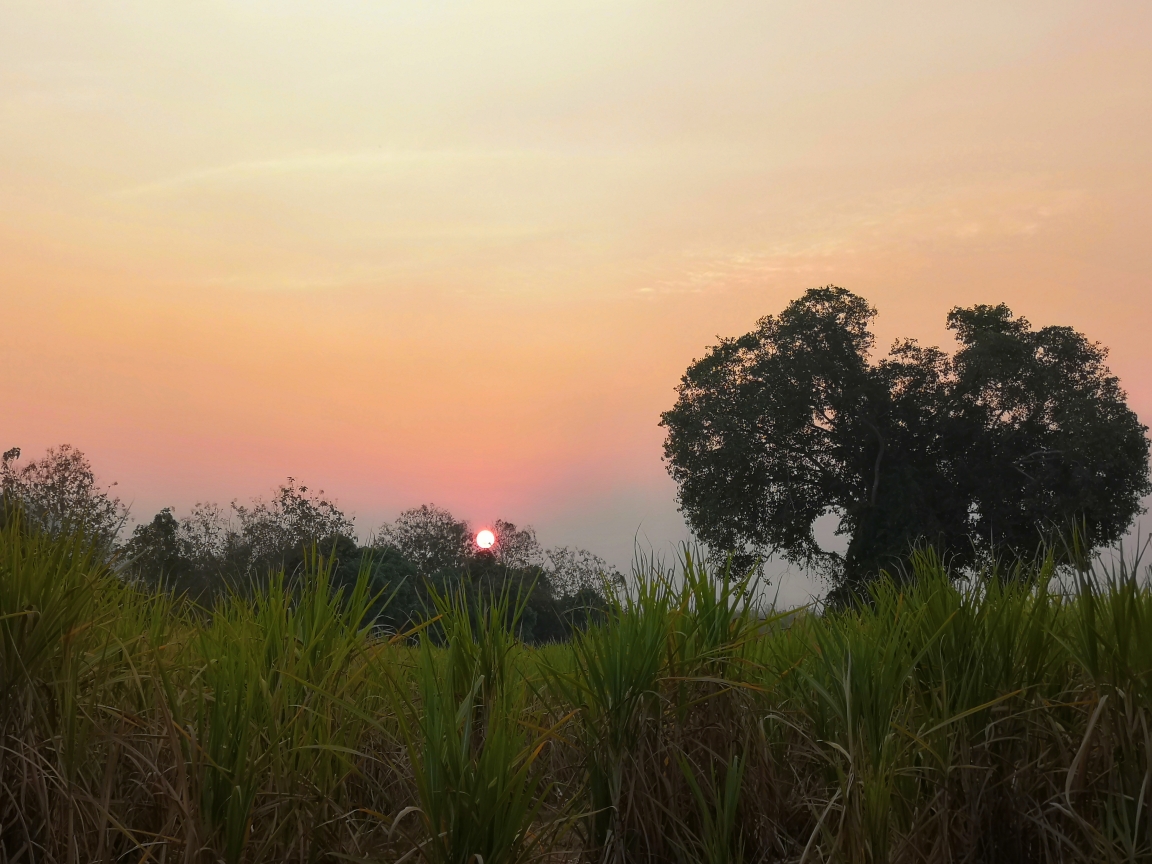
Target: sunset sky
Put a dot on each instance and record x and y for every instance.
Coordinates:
(462, 252)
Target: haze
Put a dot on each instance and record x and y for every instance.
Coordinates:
(462, 253)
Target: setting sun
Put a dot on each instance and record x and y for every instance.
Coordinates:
(485, 539)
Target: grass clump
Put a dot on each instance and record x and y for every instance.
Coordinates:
(472, 740)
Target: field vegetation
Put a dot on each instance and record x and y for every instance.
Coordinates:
(1002, 716)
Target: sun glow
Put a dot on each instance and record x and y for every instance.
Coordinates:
(485, 539)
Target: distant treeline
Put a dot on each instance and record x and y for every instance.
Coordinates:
(213, 550)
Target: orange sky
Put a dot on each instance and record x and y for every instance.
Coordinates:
(462, 252)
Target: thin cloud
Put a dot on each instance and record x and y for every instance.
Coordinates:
(323, 163)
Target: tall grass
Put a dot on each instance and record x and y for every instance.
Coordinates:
(1001, 717)
(472, 741)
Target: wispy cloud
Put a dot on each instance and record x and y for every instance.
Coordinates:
(361, 162)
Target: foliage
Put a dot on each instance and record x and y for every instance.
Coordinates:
(1021, 433)
(572, 571)
(295, 518)
(214, 550)
(612, 680)
(60, 494)
(430, 537)
(209, 552)
(999, 718)
(1046, 432)
(719, 840)
(476, 769)
(162, 555)
(268, 705)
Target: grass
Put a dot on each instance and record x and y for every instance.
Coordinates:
(1004, 718)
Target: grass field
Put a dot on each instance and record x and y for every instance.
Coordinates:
(998, 720)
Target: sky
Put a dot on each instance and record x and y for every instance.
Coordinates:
(462, 253)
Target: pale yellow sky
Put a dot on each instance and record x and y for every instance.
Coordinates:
(462, 252)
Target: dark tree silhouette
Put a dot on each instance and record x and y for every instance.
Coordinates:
(426, 549)
(428, 536)
(295, 518)
(159, 554)
(1021, 432)
(562, 588)
(59, 493)
(213, 548)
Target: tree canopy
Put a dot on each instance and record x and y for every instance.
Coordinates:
(214, 548)
(59, 493)
(425, 549)
(1019, 432)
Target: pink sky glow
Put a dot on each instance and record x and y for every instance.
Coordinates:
(462, 252)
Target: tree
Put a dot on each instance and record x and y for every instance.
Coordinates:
(1020, 432)
(59, 493)
(295, 518)
(158, 555)
(212, 539)
(173, 555)
(428, 536)
(208, 550)
(575, 572)
(517, 547)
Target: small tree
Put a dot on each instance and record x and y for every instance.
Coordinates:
(295, 518)
(575, 571)
(430, 537)
(59, 493)
(517, 547)
(160, 555)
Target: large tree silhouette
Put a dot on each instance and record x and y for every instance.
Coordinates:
(1021, 432)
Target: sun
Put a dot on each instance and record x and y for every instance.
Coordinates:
(485, 539)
